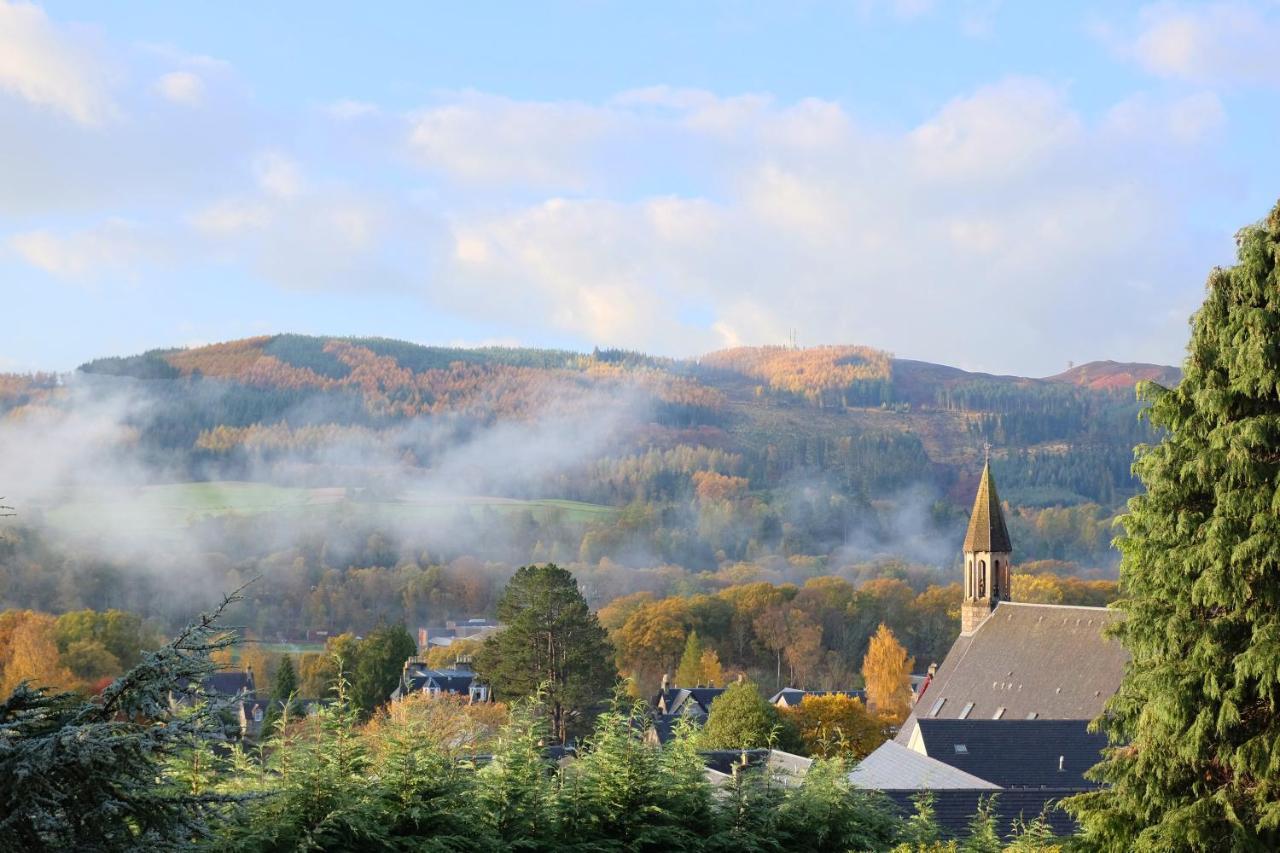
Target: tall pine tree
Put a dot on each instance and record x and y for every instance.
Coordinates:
(1196, 757)
(552, 643)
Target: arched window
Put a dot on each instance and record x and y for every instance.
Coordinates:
(982, 579)
(995, 579)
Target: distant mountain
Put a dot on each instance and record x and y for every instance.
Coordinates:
(1117, 374)
(865, 426)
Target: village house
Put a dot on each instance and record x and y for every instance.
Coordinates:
(460, 680)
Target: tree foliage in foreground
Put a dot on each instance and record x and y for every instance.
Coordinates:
(1196, 758)
(93, 774)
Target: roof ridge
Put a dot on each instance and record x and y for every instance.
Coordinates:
(1056, 606)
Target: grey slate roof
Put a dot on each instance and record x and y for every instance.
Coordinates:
(418, 677)
(1016, 753)
(694, 701)
(229, 683)
(1043, 659)
(987, 530)
(953, 809)
(895, 767)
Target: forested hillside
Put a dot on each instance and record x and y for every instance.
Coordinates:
(368, 479)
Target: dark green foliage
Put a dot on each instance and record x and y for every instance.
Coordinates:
(740, 719)
(378, 665)
(1196, 762)
(828, 815)
(513, 790)
(552, 642)
(80, 774)
(984, 834)
(284, 693)
(149, 365)
(921, 829)
(307, 351)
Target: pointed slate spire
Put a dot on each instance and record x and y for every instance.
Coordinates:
(987, 530)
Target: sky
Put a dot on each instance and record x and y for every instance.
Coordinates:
(1000, 186)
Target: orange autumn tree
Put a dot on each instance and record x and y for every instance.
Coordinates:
(886, 670)
(29, 652)
(835, 725)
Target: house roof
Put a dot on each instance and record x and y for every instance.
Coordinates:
(676, 700)
(664, 726)
(228, 683)
(1017, 753)
(1043, 659)
(895, 767)
(793, 695)
(723, 760)
(418, 678)
(953, 809)
(987, 530)
(787, 763)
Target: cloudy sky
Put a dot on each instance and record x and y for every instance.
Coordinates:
(995, 185)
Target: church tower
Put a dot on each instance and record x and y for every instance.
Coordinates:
(987, 555)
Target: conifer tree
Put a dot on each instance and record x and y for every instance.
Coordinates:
(284, 693)
(689, 673)
(90, 774)
(551, 643)
(1195, 726)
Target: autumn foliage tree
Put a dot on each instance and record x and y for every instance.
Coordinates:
(886, 670)
(835, 725)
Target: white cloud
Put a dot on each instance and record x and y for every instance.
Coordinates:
(40, 64)
(347, 109)
(1187, 120)
(992, 233)
(999, 132)
(493, 140)
(1229, 43)
(181, 87)
(114, 246)
(278, 175)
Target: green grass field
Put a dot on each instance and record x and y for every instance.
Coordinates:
(171, 507)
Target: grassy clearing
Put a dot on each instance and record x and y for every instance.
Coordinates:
(174, 506)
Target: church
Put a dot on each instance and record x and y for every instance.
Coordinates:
(1007, 712)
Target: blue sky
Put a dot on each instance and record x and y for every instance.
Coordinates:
(1000, 186)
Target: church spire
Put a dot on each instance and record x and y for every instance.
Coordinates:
(988, 554)
(987, 530)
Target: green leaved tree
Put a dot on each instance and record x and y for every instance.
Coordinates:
(740, 718)
(551, 642)
(1195, 727)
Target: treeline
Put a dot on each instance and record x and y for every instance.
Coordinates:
(344, 570)
(813, 635)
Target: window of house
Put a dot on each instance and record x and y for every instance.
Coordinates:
(964, 713)
(937, 706)
(998, 714)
